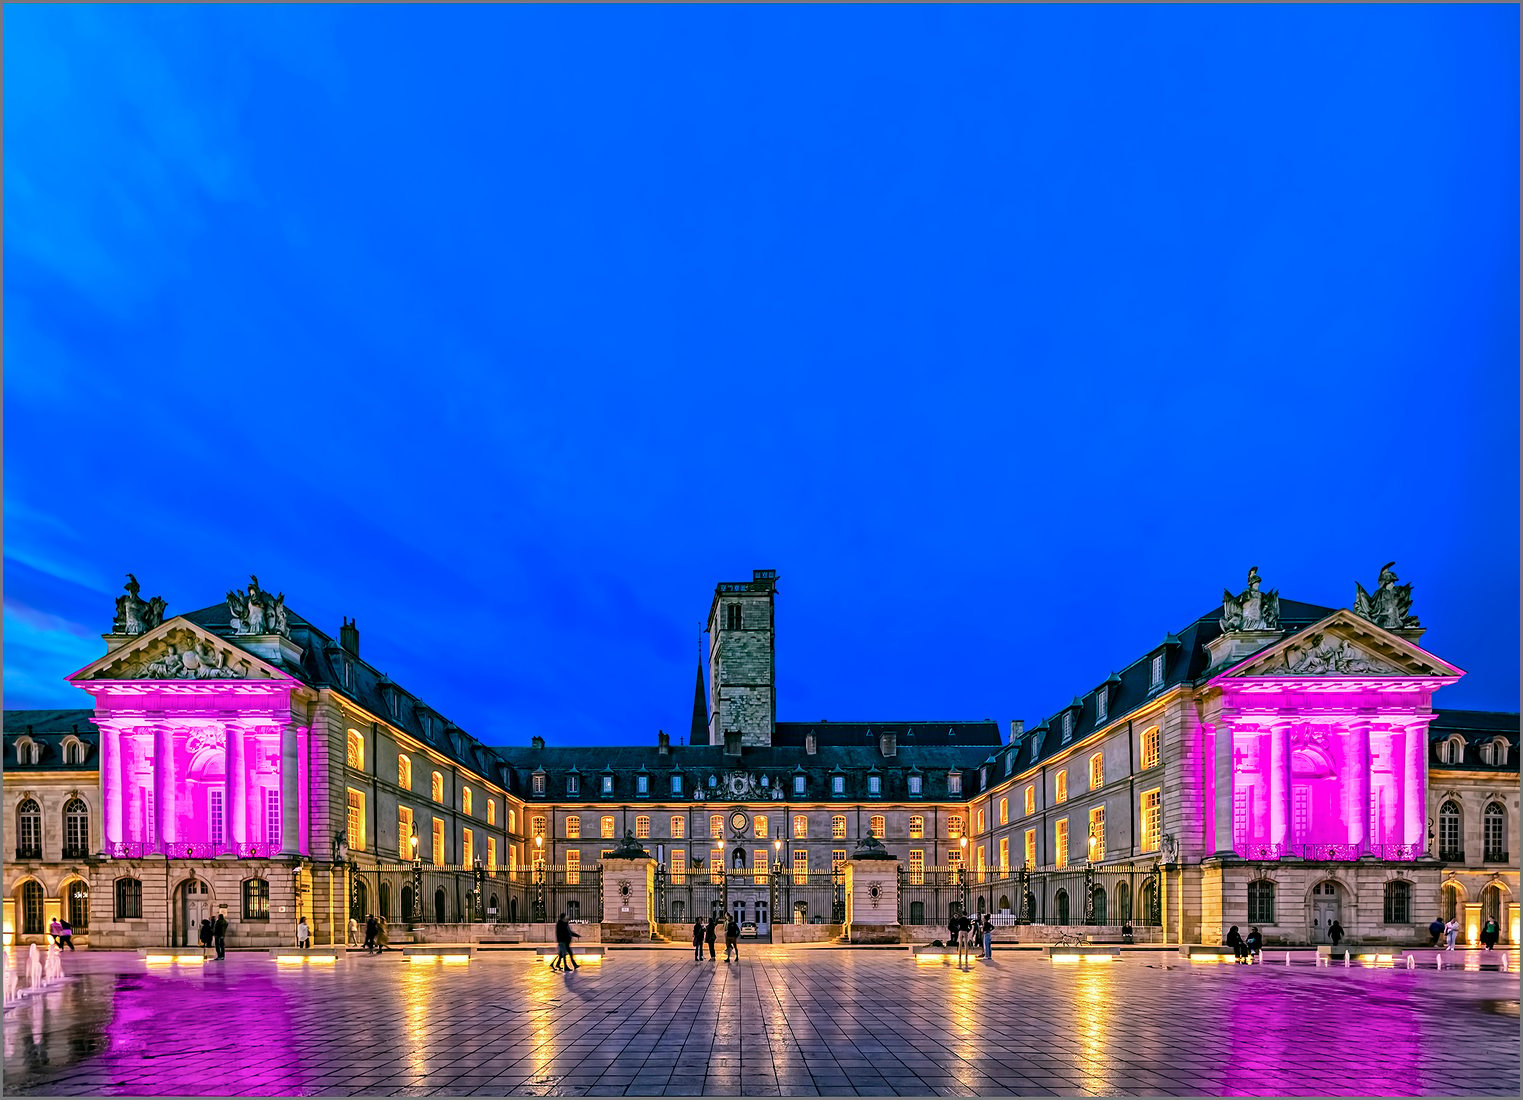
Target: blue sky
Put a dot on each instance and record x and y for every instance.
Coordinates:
(1008, 336)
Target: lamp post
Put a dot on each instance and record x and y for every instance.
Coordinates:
(340, 855)
(539, 879)
(1089, 877)
(417, 879)
(962, 876)
(779, 882)
(481, 880)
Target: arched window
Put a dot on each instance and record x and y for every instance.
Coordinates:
(1450, 832)
(1123, 902)
(1494, 752)
(129, 899)
(1494, 833)
(29, 830)
(1062, 906)
(404, 772)
(73, 751)
(465, 800)
(1147, 895)
(77, 902)
(800, 826)
(385, 900)
(1452, 906)
(1097, 903)
(256, 899)
(875, 825)
(436, 787)
(642, 826)
(1398, 902)
(1062, 795)
(491, 811)
(917, 826)
(838, 826)
(76, 829)
(31, 908)
(27, 751)
(356, 755)
(1453, 750)
(1096, 770)
(678, 827)
(1150, 746)
(512, 821)
(1261, 902)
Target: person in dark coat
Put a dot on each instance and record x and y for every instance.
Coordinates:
(1435, 931)
(697, 939)
(563, 938)
(219, 936)
(1235, 941)
(371, 928)
(1489, 934)
(1335, 932)
(731, 939)
(710, 934)
(205, 938)
(1254, 942)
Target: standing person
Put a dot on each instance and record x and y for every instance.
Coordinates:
(354, 932)
(68, 934)
(697, 938)
(988, 937)
(219, 936)
(382, 935)
(964, 941)
(1435, 931)
(1235, 941)
(371, 928)
(1335, 932)
(56, 931)
(710, 934)
(1451, 933)
(206, 933)
(731, 939)
(303, 934)
(1489, 933)
(954, 935)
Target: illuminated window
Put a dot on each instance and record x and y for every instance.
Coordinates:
(759, 867)
(1030, 848)
(716, 824)
(491, 811)
(404, 832)
(679, 827)
(607, 826)
(467, 847)
(256, 899)
(801, 865)
(914, 786)
(465, 800)
(129, 899)
(875, 826)
(917, 826)
(1398, 907)
(1004, 811)
(716, 865)
(1060, 843)
(981, 821)
(1494, 833)
(954, 826)
(837, 861)
(436, 786)
(1097, 833)
(438, 852)
(356, 757)
(1062, 781)
(538, 828)
(1031, 799)
(356, 820)
(1004, 855)
(1150, 754)
(800, 826)
(677, 785)
(1152, 819)
(573, 827)
(1449, 832)
(874, 785)
(608, 784)
(29, 831)
(1102, 705)
(1097, 771)
(76, 829)
(491, 853)
(798, 784)
(760, 824)
(512, 821)
(917, 867)
(954, 783)
(954, 862)
(679, 867)
(1157, 672)
(838, 826)
(573, 868)
(1261, 902)
(838, 784)
(642, 826)
(404, 773)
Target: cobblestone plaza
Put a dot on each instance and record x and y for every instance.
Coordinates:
(786, 1021)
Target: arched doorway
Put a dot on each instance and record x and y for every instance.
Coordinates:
(1097, 904)
(1452, 901)
(1123, 902)
(74, 900)
(359, 897)
(1326, 908)
(193, 904)
(406, 903)
(512, 910)
(1004, 903)
(1491, 909)
(1062, 906)
(384, 894)
(439, 909)
(982, 904)
(29, 906)
(801, 912)
(492, 910)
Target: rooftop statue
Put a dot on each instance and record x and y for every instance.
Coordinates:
(257, 612)
(1390, 604)
(135, 615)
(1253, 610)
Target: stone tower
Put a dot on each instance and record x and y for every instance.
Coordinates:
(743, 698)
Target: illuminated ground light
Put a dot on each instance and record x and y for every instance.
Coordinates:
(1211, 958)
(167, 960)
(293, 959)
(441, 957)
(589, 957)
(1082, 958)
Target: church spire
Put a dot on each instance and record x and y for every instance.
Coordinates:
(699, 735)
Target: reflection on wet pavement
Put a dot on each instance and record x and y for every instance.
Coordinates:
(784, 1022)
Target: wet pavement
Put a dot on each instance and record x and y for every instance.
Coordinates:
(783, 1022)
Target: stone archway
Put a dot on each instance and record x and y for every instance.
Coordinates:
(1324, 908)
(193, 902)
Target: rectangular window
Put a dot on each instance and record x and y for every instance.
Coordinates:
(716, 865)
(982, 863)
(677, 785)
(256, 899)
(1004, 811)
(438, 852)
(875, 826)
(537, 782)
(800, 826)
(491, 811)
(539, 826)
(404, 832)
(272, 819)
(914, 786)
(1150, 754)
(1060, 843)
(573, 827)
(573, 785)
(679, 867)
(215, 811)
(491, 853)
(716, 825)
(1031, 799)
(356, 822)
(1300, 814)
(642, 785)
(607, 826)
(732, 616)
(1030, 848)
(1102, 704)
(954, 783)
(759, 867)
(801, 865)
(954, 862)
(798, 784)
(760, 826)
(607, 784)
(981, 824)
(874, 785)
(679, 827)
(642, 827)
(838, 784)
(1068, 724)
(1152, 819)
(129, 899)
(917, 867)
(954, 826)
(1062, 785)
(838, 827)
(465, 801)
(1157, 672)
(467, 847)
(1096, 771)
(1004, 855)
(837, 861)
(1097, 834)
(917, 826)
(573, 868)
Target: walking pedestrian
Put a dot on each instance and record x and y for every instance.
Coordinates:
(56, 931)
(1435, 931)
(988, 937)
(382, 935)
(1335, 932)
(370, 930)
(731, 939)
(1451, 933)
(68, 934)
(964, 941)
(697, 938)
(219, 936)
(563, 938)
(303, 934)
(954, 934)
(354, 932)
(710, 934)
(1489, 934)
(1239, 948)
(205, 938)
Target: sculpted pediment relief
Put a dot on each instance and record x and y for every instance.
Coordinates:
(1329, 655)
(178, 650)
(1343, 645)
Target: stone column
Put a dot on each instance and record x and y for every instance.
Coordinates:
(1357, 760)
(289, 796)
(1414, 800)
(132, 786)
(1279, 783)
(164, 783)
(237, 784)
(111, 783)
(872, 900)
(1221, 811)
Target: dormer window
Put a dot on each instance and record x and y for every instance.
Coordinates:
(537, 783)
(838, 785)
(27, 751)
(677, 785)
(1101, 706)
(954, 783)
(874, 785)
(607, 787)
(573, 784)
(73, 751)
(798, 785)
(914, 786)
(1156, 680)
(1068, 724)
(642, 785)
(1453, 750)
(1494, 752)
(983, 777)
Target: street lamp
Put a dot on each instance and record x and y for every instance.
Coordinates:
(539, 878)
(417, 878)
(962, 875)
(481, 880)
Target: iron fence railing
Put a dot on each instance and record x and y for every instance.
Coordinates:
(1324, 853)
(432, 894)
(1082, 893)
(143, 849)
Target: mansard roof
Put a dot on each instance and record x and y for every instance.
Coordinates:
(1477, 727)
(906, 734)
(49, 729)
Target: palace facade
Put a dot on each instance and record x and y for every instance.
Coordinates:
(1272, 763)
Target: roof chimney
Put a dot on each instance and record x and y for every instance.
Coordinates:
(349, 637)
(663, 743)
(732, 742)
(538, 742)
(888, 744)
(1017, 730)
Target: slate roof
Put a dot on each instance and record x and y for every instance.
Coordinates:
(907, 734)
(1477, 727)
(48, 728)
